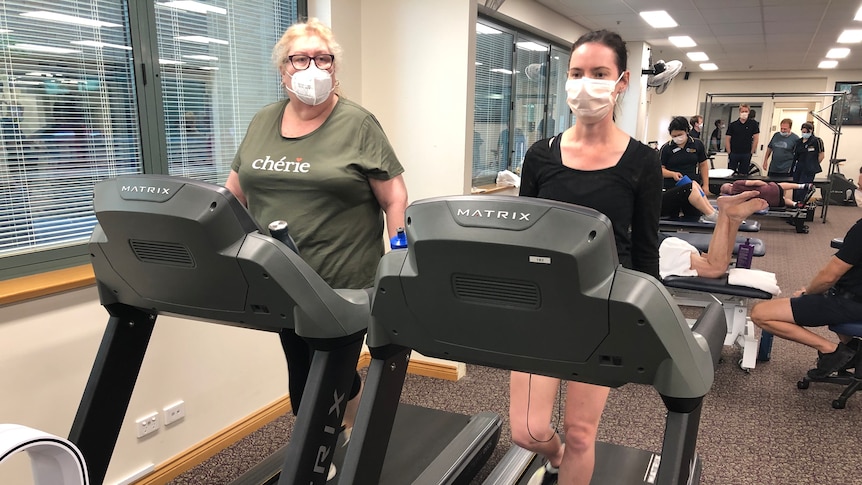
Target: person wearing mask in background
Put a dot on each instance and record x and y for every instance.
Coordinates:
(741, 141)
(781, 148)
(715, 137)
(696, 122)
(597, 165)
(809, 153)
(684, 166)
(323, 164)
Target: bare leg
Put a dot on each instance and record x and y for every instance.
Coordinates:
(584, 406)
(776, 317)
(530, 411)
(732, 210)
(697, 198)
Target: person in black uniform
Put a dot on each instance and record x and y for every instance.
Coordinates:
(833, 296)
(809, 153)
(715, 138)
(741, 141)
(684, 156)
(696, 122)
(593, 164)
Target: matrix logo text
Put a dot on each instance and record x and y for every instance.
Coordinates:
(494, 214)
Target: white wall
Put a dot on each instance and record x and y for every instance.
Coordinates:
(47, 347)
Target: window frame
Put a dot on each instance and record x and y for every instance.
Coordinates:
(521, 33)
(148, 94)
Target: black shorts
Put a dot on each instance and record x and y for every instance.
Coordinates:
(820, 310)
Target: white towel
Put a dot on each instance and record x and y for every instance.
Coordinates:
(674, 257)
(754, 278)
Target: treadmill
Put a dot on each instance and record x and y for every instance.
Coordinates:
(486, 280)
(169, 245)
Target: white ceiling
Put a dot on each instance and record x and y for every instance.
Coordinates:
(737, 35)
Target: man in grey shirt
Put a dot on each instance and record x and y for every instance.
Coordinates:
(781, 149)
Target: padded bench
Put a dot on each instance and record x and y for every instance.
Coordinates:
(700, 292)
(695, 224)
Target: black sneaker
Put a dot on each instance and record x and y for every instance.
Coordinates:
(832, 362)
(544, 476)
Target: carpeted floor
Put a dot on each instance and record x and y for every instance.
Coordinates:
(756, 428)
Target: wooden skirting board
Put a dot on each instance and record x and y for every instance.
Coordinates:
(208, 448)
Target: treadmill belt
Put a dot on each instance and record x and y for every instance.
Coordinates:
(618, 465)
(419, 435)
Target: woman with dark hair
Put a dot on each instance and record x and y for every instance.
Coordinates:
(808, 154)
(685, 168)
(593, 164)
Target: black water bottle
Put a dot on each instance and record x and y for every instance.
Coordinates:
(278, 230)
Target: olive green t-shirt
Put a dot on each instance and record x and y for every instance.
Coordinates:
(318, 183)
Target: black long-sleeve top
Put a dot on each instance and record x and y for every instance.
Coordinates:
(629, 194)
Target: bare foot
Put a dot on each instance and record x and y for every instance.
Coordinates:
(738, 207)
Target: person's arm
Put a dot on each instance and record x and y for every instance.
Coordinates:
(766, 158)
(727, 143)
(826, 278)
(232, 184)
(392, 196)
(664, 157)
(822, 150)
(754, 141)
(647, 210)
(704, 176)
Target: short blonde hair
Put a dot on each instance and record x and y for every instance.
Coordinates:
(310, 28)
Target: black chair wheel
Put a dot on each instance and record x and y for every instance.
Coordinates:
(802, 230)
(839, 403)
(746, 369)
(803, 384)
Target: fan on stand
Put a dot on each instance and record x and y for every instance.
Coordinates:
(661, 74)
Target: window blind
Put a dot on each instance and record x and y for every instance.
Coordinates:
(67, 117)
(519, 97)
(69, 107)
(493, 99)
(216, 74)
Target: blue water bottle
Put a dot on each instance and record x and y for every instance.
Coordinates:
(399, 240)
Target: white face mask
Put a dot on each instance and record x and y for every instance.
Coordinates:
(312, 86)
(679, 140)
(743, 116)
(591, 99)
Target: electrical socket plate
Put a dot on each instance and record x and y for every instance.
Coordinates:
(148, 424)
(174, 412)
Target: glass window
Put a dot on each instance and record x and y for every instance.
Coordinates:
(216, 74)
(519, 97)
(70, 109)
(493, 97)
(67, 117)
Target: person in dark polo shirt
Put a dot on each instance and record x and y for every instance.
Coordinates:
(740, 141)
(809, 152)
(696, 122)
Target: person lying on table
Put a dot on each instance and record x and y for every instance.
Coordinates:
(774, 193)
(732, 210)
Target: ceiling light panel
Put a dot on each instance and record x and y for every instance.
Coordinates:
(659, 19)
(828, 64)
(850, 36)
(682, 41)
(708, 66)
(698, 56)
(838, 53)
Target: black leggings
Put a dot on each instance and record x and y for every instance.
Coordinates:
(299, 354)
